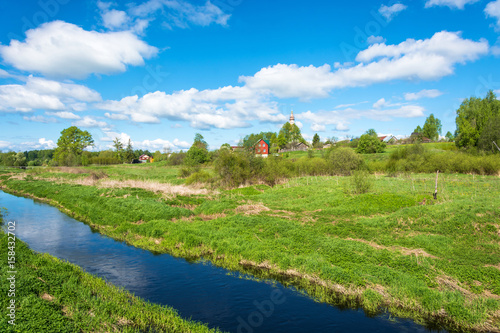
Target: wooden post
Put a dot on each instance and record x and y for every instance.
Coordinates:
(496, 145)
(436, 190)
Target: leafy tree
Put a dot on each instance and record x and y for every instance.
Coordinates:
(432, 128)
(418, 130)
(490, 134)
(371, 132)
(71, 144)
(449, 136)
(226, 146)
(316, 141)
(198, 153)
(472, 117)
(20, 159)
(370, 144)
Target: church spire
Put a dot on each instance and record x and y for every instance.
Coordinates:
(292, 119)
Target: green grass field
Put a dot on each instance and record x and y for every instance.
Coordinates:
(437, 261)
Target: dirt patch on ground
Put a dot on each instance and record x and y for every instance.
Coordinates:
(497, 266)
(404, 250)
(168, 189)
(47, 297)
(252, 209)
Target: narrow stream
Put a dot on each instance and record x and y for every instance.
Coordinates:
(198, 291)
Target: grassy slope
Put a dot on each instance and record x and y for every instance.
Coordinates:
(56, 296)
(380, 248)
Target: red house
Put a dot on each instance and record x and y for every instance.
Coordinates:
(144, 158)
(262, 148)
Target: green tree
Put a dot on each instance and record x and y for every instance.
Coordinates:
(370, 144)
(432, 128)
(316, 141)
(418, 130)
(371, 132)
(118, 149)
(129, 152)
(472, 117)
(198, 153)
(71, 144)
(490, 136)
(20, 159)
(449, 136)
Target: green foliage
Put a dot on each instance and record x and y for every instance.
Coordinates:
(360, 182)
(316, 141)
(490, 136)
(177, 158)
(473, 116)
(371, 132)
(19, 159)
(289, 133)
(370, 144)
(71, 144)
(198, 153)
(343, 161)
(119, 153)
(233, 168)
(432, 128)
(449, 136)
(417, 158)
(418, 130)
(201, 176)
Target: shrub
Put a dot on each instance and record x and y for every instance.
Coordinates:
(360, 182)
(369, 144)
(176, 158)
(201, 176)
(233, 168)
(343, 161)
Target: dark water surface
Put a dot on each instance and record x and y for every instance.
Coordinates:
(198, 291)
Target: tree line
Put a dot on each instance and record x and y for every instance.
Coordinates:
(477, 130)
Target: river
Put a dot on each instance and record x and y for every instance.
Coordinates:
(200, 291)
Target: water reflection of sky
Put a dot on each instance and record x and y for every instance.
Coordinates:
(198, 291)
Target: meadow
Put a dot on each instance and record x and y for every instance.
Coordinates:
(393, 248)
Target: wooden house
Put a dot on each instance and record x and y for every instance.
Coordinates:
(262, 148)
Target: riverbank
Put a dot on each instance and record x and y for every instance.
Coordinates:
(381, 250)
(55, 296)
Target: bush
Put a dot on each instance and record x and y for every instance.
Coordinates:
(233, 168)
(201, 176)
(343, 161)
(361, 182)
(176, 158)
(187, 171)
(369, 144)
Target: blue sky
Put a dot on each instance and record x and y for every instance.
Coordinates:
(159, 71)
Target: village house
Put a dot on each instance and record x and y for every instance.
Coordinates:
(144, 158)
(262, 148)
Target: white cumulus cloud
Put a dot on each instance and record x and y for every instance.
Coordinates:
(227, 107)
(458, 4)
(389, 12)
(45, 94)
(427, 59)
(425, 93)
(493, 10)
(64, 50)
